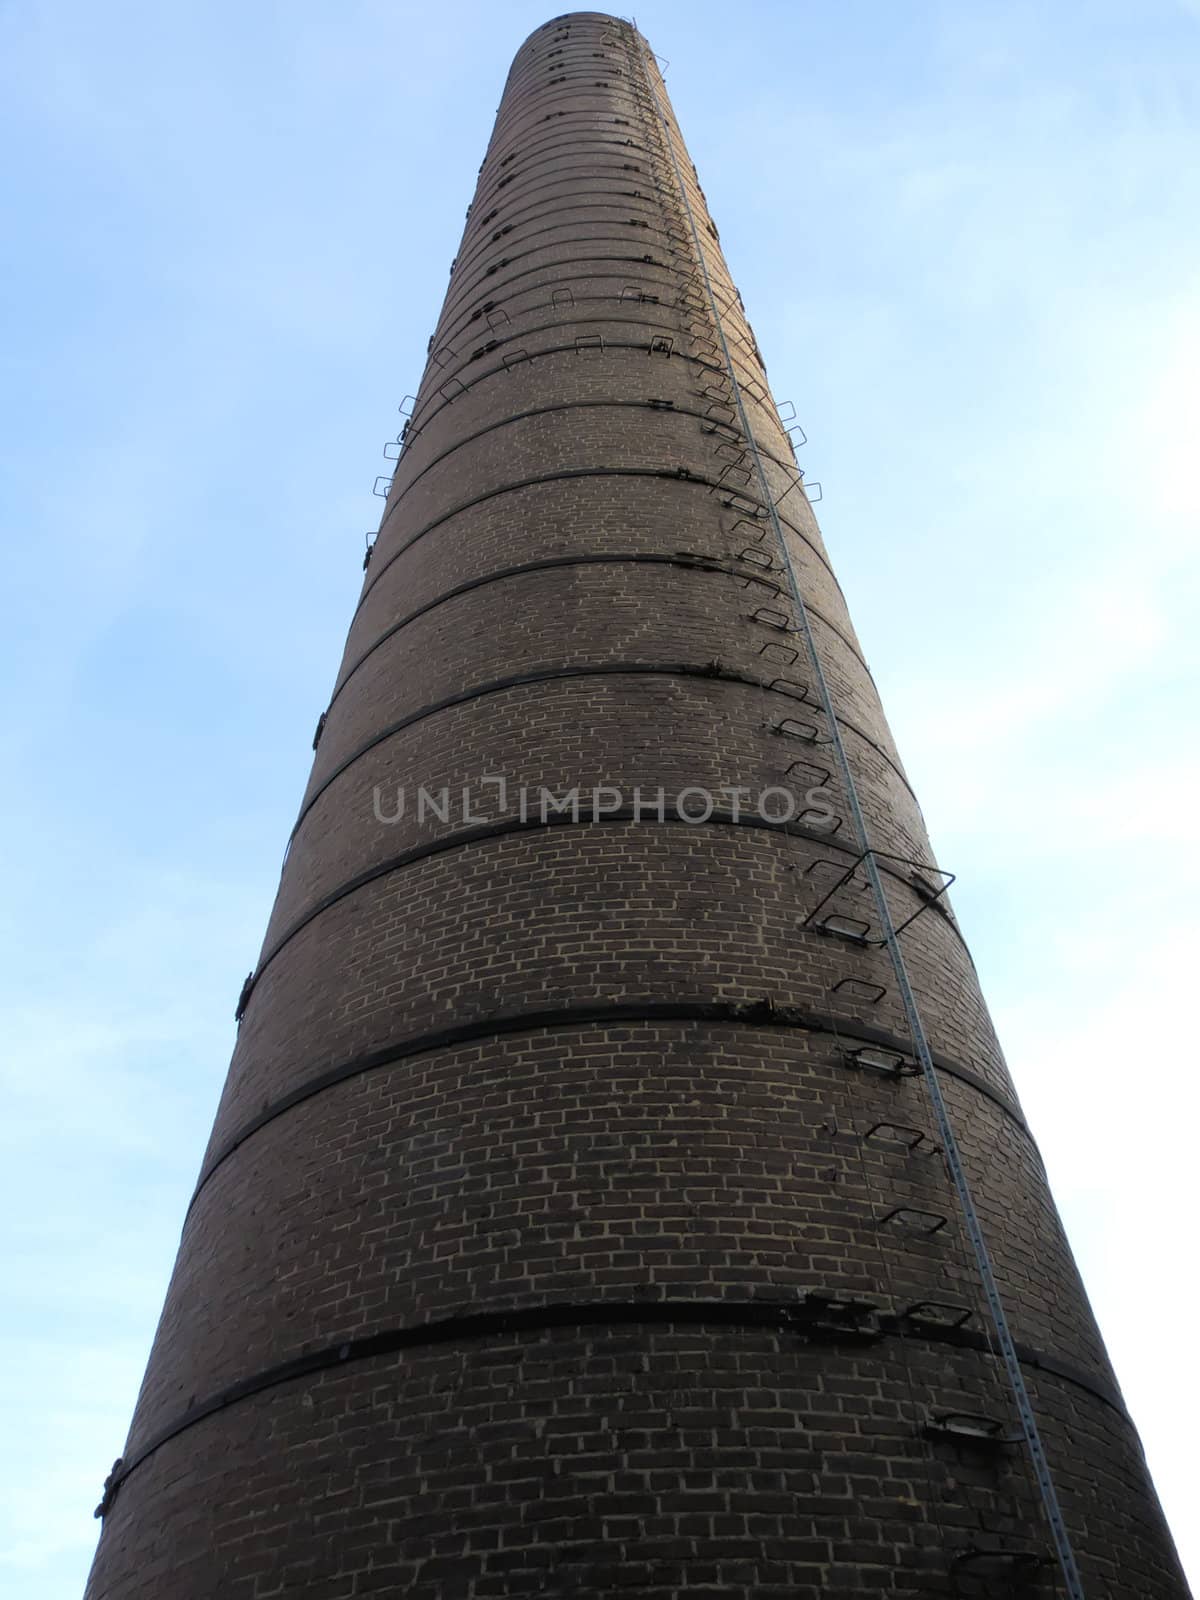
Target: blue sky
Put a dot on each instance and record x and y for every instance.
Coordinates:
(967, 238)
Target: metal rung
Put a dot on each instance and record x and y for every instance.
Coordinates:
(839, 1309)
(913, 1220)
(754, 557)
(660, 345)
(408, 401)
(886, 1063)
(771, 619)
(812, 778)
(513, 358)
(757, 533)
(452, 388)
(393, 444)
(442, 355)
(792, 728)
(791, 410)
(497, 318)
(846, 879)
(727, 434)
(790, 687)
(563, 297)
(995, 1561)
(756, 580)
(842, 927)
(588, 341)
(939, 1313)
(971, 1426)
(742, 503)
(387, 484)
(783, 649)
(872, 993)
(897, 1133)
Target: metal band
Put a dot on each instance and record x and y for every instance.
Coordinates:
(748, 1014)
(697, 562)
(569, 475)
(546, 411)
(638, 669)
(806, 1318)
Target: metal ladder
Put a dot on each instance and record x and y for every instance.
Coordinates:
(889, 933)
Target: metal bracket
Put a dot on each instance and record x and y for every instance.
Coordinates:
(910, 1219)
(883, 855)
(111, 1484)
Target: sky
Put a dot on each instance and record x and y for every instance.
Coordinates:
(967, 235)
